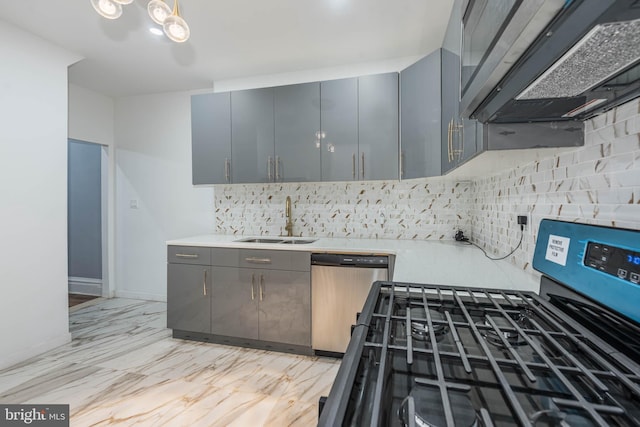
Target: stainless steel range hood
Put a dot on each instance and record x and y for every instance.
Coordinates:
(585, 61)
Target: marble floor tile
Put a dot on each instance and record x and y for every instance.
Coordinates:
(123, 368)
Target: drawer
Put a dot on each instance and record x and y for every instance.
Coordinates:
(189, 255)
(263, 259)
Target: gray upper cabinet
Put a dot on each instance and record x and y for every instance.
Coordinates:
(211, 138)
(338, 140)
(297, 124)
(252, 136)
(337, 130)
(378, 126)
(420, 127)
(461, 138)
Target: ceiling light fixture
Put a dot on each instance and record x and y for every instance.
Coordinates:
(174, 26)
(158, 11)
(107, 8)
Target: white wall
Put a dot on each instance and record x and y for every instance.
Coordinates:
(305, 76)
(153, 157)
(91, 116)
(33, 189)
(92, 119)
(598, 183)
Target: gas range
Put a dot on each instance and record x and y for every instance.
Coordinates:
(427, 355)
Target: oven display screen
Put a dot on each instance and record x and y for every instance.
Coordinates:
(615, 261)
(633, 259)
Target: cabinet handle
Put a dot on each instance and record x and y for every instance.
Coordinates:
(269, 167)
(254, 260)
(402, 164)
(186, 255)
(204, 284)
(261, 287)
(227, 170)
(449, 140)
(362, 165)
(353, 166)
(461, 139)
(253, 282)
(277, 168)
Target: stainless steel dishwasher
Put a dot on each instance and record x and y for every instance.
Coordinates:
(339, 287)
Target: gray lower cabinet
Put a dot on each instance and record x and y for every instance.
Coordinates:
(211, 138)
(297, 125)
(244, 294)
(267, 305)
(378, 126)
(285, 307)
(234, 302)
(189, 289)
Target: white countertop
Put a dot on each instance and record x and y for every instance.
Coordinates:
(433, 262)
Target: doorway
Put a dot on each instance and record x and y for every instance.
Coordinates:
(86, 220)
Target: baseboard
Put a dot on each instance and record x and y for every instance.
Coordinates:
(35, 350)
(85, 286)
(141, 296)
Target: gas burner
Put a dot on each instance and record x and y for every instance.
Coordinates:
(512, 337)
(420, 329)
(559, 418)
(429, 410)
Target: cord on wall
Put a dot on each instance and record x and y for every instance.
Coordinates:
(522, 221)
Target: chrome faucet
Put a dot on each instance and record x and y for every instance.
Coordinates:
(287, 213)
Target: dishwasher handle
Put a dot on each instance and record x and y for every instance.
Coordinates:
(348, 260)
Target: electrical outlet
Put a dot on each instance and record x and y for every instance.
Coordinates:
(523, 220)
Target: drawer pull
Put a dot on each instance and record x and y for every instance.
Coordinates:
(187, 255)
(255, 260)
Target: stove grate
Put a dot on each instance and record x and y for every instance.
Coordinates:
(576, 377)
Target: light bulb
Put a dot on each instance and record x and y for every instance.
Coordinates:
(158, 11)
(107, 8)
(176, 29)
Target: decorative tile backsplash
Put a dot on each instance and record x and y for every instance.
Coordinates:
(598, 183)
(416, 209)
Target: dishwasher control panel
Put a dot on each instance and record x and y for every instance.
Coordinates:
(373, 261)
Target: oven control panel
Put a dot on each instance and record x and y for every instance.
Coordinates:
(622, 263)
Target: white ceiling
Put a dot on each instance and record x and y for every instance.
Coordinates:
(230, 39)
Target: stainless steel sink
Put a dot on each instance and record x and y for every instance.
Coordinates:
(275, 240)
(260, 240)
(297, 242)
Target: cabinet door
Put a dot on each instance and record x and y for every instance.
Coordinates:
(285, 307)
(339, 137)
(211, 138)
(297, 125)
(252, 146)
(420, 119)
(378, 126)
(188, 293)
(234, 302)
(452, 133)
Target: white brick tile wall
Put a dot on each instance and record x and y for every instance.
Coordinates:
(598, 183)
